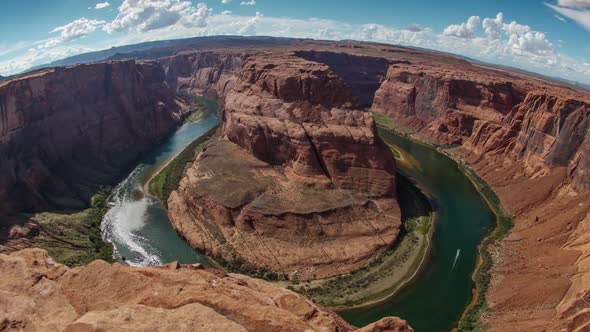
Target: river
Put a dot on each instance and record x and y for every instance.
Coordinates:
(438, 296)
(139, 228)
(137, 224)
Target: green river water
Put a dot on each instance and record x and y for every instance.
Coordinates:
(437, 297)
(140, 230)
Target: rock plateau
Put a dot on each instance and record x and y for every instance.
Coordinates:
(298, 183)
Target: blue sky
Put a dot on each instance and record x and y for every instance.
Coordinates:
(551, 37)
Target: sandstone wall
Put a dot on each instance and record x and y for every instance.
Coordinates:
(543, 125)
(289, 111)
(64, 131)
(205, 73)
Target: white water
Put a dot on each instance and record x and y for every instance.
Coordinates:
(456, 258)
(125, 218)
(137, 224)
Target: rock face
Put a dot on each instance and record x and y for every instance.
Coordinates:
(530, 140)
(64, 131)
(299, 183)
(289, 111)
(363, 74)
(212, 74)
(491, 113)
(37, 294)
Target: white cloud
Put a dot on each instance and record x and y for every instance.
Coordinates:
(102, 5)
(576, 10)
(464, 30)
(416, 28)
(147, 15)
(226, 12)
(493, 26)
(249, 29)
(560, 18)
(506, 43)
(574, 3)
(248, 3)
(74, 30)
(225, 1)
(37, 56)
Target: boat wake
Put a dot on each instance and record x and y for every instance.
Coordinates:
(456, 258)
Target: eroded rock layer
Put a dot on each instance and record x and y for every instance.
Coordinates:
(236, 207)
(37, 294)
(489, 112)
(65, 131)
(530, 139)
(212, 74)
(298, 183)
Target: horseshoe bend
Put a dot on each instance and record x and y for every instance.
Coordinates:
(321, 167)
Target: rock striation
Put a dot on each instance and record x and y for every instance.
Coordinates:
(65, 131)
(209, 73)
(289, 111)
(529, 138)
(37, 294)
(491, 113)
(299, 183)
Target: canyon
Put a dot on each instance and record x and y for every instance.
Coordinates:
(297, 182)
(529, 139)
(66, 131)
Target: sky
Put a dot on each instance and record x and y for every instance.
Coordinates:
(551, 37)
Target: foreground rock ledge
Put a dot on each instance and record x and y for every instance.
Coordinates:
(36, 294)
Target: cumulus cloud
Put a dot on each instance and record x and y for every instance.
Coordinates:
(102, 5)
(492, 39)
(225, 1)
(464, 30)
(226, 12)
(248, 3)
(74, 30)
(147, 15)
(576, 10)
(520, 38)
(249, 29)
(493, 26)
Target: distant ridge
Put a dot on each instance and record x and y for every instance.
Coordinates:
(168, 47)
(163, 48)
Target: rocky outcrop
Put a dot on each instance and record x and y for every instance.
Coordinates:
(37, 294)
(205, 73)
(299, 183)
(296, 113)
(363, 74)
(443, 104)
(246, 212)
(491, 113)
(65, 131)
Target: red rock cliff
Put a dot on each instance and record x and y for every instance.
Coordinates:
(489, 112)
(290, 111)
(212, 74)
(64, 131)
(299, 183)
